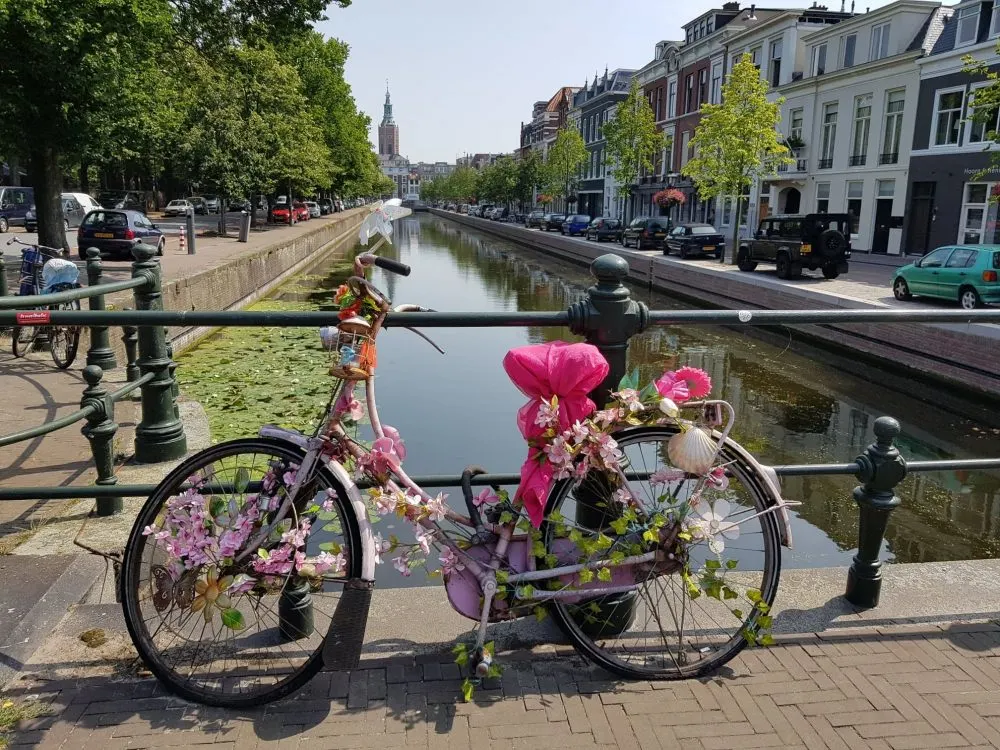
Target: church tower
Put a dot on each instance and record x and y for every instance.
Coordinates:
(388, 131)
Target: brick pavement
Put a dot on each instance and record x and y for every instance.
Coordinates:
(892, 688)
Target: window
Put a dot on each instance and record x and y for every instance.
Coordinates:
(822, 197)
(880, 42)
(795, 130)
(689, 96)
(995, 23)
(775, 69)
(755, 56)
(829, 135)
(895, 102)
(885, 189)
(962, 257)
(848, 45)
(716, 93)
(819, 59)
(978, 222)
(685, 146)
(727, 211)
(862, 127)
(855, 191)
(702, 86)
(936, 259)
(968, 25)
(672, 99)
(982, 122)
(948, 117)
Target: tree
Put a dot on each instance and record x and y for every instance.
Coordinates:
(529, 177)
(563, 162)
(985, 103)
(498, 181)
(463, 185)
(737, 141)
(632, 139)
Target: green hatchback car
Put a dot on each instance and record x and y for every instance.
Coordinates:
(965, 273)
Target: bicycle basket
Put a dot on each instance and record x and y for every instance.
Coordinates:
(352, 348)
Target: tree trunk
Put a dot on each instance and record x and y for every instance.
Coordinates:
(15, 170)
(84, 177)
(738, 209)
(48, 186)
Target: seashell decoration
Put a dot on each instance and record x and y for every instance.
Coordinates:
(355, 325)
(692, 451)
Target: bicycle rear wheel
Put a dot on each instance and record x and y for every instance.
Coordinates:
(666, 629)
(64, 341)
(203, 636)
(23, 339)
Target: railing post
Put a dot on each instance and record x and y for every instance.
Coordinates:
(175, 389)
(100, 432)
(189, 231)
(608, 318)
(880, 469)
(160, 434)
(100, 352)
(4, 291)
(130, 338)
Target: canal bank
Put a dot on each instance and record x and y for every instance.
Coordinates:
(966, 355)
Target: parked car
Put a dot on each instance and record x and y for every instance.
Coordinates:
(604, 228)
(128, 200)
(534, 219)
(116, 232)
(969, 274)
(794, 242)
(646, 231)
(338, 205)
(73, 214)
(15, 202)
(553, 222)
(179, 207)
(86, 201)
(695, 239)
(314, 210)
(212, 203)
(575, 224)
(325, 206)
(199, 203)
(420, 206)
(301, 211)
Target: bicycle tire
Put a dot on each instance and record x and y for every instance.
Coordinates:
(23, 339)
(568, 616)
(64, 341)
(131, 581)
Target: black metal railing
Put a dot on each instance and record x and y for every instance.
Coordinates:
(859, 160)
(824, 164)
(608, 317)
(889, 158)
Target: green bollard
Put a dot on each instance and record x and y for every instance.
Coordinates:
(160, 434)
(608, 318)
(100, 352)
(100, 432)
(130, 339)
(880, 470)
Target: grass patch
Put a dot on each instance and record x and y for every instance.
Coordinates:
(11, 712)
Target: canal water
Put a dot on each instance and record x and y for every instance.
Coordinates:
(793, 404)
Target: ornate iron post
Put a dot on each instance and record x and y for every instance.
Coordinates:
(100, 352)
(160, 434)
(130, 338)
(880, 469)
(608, 318)
(175, 390)
(100, 432)
(3, 283)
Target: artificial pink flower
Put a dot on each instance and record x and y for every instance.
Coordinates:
(629, 397)
(328, 504)
(402, 565)
(672, 387)
(437, 507)
(381, 545)
(424, 539)
(347, 405)
(397, 442)
(486, 497)
(699, 384)
(665, 476)
(450, 563)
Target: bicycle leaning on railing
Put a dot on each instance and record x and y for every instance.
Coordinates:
(651, 537)
(45, 270)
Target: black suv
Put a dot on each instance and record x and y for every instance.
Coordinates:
(802, 241)
(646, 231)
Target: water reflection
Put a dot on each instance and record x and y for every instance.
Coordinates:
(793, 404)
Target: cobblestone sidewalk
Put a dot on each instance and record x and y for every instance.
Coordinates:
(898, 688)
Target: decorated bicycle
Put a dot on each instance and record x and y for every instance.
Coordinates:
(651, 537)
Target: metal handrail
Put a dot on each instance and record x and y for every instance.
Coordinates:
(297, 319)
(14, 302)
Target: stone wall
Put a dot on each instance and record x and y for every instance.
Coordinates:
(967, 355)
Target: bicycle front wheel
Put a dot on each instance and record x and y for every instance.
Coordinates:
(64, 341)
(225, 632)
(23, 339)
(687, 616)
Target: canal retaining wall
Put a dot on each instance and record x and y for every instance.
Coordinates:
(964, 355)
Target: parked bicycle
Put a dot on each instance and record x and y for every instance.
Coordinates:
(45, 270)
(652, 539)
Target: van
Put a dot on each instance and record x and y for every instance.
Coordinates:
(14, 204)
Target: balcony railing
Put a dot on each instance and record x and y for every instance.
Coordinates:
(824, 164)
(859, 160)
(889, 158)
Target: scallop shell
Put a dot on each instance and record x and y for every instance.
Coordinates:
(355, 325)
(692, 451)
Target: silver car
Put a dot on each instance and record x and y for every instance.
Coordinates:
(73, 214)
(314, 210)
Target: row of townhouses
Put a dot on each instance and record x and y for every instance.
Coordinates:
(875, 109)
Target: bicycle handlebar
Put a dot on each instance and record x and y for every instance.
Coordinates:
(19, 241)
(393, 266)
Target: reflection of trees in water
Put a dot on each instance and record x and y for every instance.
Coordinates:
(790, 409)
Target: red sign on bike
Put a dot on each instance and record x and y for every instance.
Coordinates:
(32, 317)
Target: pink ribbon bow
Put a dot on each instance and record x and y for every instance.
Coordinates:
(541, 371)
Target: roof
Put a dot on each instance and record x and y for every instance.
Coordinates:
(930, 33)
(562, 95)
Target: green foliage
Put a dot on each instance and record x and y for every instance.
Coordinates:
(529, 176)
(985, 102)
(632, 138)
(563, 162)
(498, 181)
(737, 141)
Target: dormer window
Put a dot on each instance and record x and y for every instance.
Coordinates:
(968, 25)
(880, 42)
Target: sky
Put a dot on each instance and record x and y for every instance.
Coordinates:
(463, 76)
